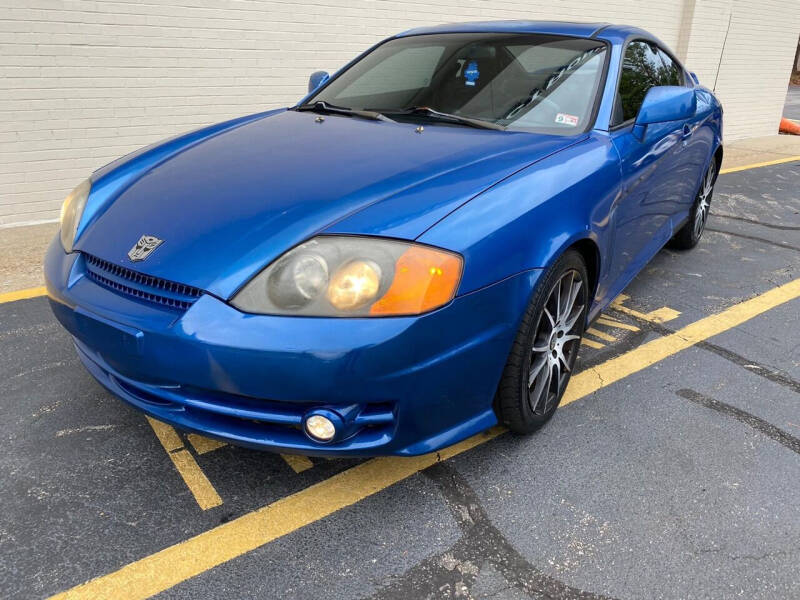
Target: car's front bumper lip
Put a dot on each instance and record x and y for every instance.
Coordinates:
(435, 375)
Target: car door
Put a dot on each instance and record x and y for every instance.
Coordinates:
(694, 148)
(652, 176)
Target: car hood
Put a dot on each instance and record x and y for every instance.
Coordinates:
(228, 201)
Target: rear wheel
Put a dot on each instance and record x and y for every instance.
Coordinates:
(544, 351)
(689, 235)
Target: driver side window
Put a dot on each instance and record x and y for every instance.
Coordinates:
(643, 66)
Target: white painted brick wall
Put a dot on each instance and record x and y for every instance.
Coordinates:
(756, 65)
(85, 81)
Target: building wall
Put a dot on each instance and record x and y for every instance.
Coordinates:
(756, 65)
(85, 81)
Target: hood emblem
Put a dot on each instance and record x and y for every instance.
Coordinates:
(144, 247)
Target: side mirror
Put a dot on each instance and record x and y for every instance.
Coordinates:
(665, 103)
(317, 79)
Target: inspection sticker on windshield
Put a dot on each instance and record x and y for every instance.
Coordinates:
(565, 119)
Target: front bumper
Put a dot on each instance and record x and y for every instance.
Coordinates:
(404, 385)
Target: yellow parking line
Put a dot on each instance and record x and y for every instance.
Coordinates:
(660, 315)
(164, 569)
(202, 444)
(609, 322)
(22, 294)
(297, 462)
(197, 482)
(592, 343)
(160, 571)
(168, 437)
(191, 473)
(643, 356)
(767, 163)
(601, 335)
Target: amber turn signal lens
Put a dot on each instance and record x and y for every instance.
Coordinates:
(424, 279)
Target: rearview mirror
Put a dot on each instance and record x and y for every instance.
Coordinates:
(317, 79)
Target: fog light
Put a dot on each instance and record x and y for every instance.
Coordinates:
(320, 428)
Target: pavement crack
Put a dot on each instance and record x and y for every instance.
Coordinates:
(754, 239)
(766, 555)
(756, 222)
(599, 375)
(757, 423)
(454, 572)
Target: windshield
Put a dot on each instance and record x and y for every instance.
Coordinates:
(539, 83)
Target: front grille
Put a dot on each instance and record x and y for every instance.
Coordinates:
(138, 285)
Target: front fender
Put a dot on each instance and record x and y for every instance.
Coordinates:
(528, 220)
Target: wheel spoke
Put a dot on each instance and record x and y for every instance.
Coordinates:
(699, 221)
(575, 288)
(557, 368)
(558, 301)
(542, 387)
(563, 360)
(536, 369)
(573, 319)
(709, 182)
(571, 294)
(550, 318)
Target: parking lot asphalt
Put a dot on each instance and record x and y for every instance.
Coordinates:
(672, 470)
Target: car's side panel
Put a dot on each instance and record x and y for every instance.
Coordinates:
(529, 219)
(699, 147)
(652, 188)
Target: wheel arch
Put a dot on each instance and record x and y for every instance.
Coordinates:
(589, 250)
(718, 158)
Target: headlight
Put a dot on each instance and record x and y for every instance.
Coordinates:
(71, 212)
(343, 276)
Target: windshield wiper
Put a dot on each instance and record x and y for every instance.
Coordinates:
(322, 106)
(442, 116)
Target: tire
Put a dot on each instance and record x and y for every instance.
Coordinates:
(689, 235)
(524, 400)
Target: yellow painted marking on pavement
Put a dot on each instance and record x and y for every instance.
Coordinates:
(168, 437)
(641, 357)
(297, 462)
(767, 163)
(664, 314)
(599, 334)
(164, 569)
(592, 343)
(203, 444)
(608, 322)
(197, 482)
(23, 294)
(660, 315)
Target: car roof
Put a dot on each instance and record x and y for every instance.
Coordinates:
(546, 27)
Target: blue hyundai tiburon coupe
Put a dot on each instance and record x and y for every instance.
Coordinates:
(408, 256)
